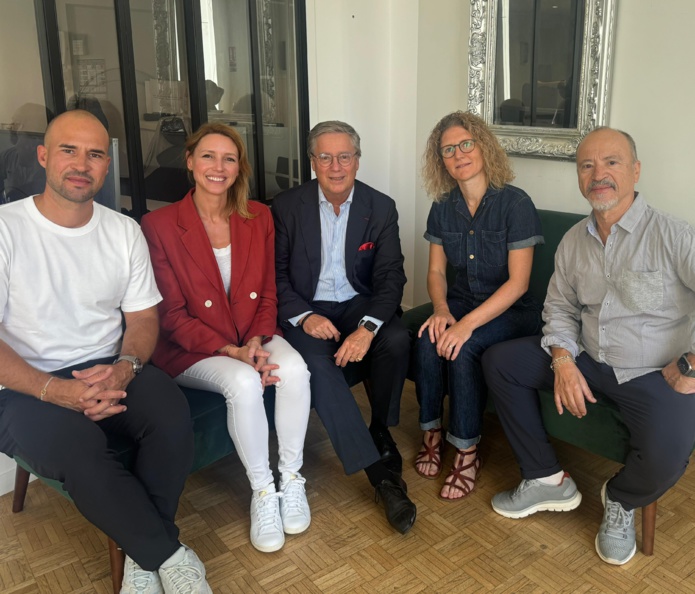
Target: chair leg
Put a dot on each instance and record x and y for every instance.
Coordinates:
(648, 528)
(117, 559)
(21, 482)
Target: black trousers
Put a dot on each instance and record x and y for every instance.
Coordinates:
(136, 507)
(387, 361)
(660, 420)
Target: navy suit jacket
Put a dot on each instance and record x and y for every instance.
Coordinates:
(373, 257)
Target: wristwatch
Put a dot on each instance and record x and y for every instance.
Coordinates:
(685, 367)
(135, 361)
(369, 325)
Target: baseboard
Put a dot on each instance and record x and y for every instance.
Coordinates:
(7, 480)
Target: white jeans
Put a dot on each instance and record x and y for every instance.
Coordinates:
(246, 420)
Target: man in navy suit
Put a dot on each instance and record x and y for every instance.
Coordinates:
(340, 281)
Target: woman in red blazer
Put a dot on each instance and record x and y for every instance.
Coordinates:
(213, 255)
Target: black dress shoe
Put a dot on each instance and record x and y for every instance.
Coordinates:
(388, 450)
(400, 511)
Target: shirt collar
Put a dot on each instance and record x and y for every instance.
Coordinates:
(322, 196)
(629, 220)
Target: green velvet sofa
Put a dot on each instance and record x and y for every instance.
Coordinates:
(602, 431)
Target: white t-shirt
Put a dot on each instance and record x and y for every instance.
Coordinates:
(62, 290)
(224, 263)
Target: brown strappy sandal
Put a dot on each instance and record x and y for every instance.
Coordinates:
(457, 480)
(430, 454)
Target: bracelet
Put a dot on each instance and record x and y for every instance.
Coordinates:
(561, 361)
(45, 387)
(304, 319)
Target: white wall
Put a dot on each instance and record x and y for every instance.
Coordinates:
(394, 101)
(18, 29)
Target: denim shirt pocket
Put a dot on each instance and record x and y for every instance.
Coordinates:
(452, 244)
(494, 252)
(642, 291)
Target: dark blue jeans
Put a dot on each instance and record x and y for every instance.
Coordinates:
(463, 378)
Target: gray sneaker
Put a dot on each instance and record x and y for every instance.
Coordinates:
(532, 496)
(615, 541)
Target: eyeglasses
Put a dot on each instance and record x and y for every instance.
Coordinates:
(326, 160)
(465, 146)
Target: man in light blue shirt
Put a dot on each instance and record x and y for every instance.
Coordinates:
(340, 281)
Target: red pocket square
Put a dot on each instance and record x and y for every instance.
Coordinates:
(366, 246)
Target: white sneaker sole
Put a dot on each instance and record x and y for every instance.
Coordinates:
(268, 548)
(615, 561)
(290, 530)
(563, 505)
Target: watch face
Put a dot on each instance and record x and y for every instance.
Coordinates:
(684, 367)
(369, 325)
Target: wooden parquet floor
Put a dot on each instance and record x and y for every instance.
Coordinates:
(349, 548)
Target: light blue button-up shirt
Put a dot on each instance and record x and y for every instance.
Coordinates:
(333, 283)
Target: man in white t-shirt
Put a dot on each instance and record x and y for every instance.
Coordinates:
(71, 274)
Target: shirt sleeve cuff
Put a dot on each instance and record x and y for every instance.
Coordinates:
(554, 340)
(378, 323)
(432, 238)
(295, 320)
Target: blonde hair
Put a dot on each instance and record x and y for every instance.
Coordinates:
(238, 193)
(438, 183)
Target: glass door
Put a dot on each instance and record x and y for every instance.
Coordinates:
(251, 83)
(91, 73)
(151, 71)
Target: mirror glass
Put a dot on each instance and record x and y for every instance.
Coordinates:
(539, 71)
(538, 61)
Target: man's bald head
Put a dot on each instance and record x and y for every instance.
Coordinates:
(75, 156)
(75, 117)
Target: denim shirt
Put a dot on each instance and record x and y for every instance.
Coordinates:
(477, 246)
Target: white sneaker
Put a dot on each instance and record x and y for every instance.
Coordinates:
(294, 508)
(137, 580)
(185, 577)
(266, 524)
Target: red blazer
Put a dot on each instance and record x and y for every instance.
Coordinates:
(196, 316)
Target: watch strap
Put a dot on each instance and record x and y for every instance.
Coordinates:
(134, 361)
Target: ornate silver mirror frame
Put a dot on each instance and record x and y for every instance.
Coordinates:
(553, 143)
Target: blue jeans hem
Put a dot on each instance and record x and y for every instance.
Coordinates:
(436, 424)
(462, 444)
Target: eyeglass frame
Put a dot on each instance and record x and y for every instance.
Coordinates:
(334, 157)
(455, 146)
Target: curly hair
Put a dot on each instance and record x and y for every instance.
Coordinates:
(238, 193)
(438, 183)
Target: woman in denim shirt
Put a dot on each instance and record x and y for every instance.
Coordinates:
(486, 230)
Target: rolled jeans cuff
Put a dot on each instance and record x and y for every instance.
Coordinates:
(462, 444)
(429, 425)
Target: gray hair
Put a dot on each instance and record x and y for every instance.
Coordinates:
(630, 140)
(333, 127)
